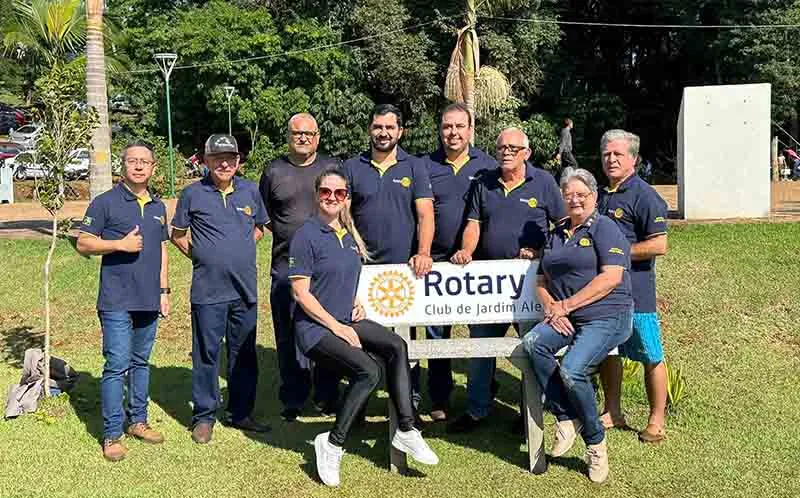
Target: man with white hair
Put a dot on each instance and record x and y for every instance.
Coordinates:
(287, 188)
(508, 216)
(641, 215)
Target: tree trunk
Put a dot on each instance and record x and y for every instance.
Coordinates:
(97, 97)
(47, 263)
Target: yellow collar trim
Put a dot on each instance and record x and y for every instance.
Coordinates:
(510, 188)
(458, 163)
(383, 167)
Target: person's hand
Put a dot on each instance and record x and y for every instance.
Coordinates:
(131, 242)
(461, 257)
(527, 253)
(562, 325)
(165, 306)
(359, 313)
(348, 334)
(420, 264)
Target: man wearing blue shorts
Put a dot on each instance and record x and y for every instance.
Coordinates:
(641, 214)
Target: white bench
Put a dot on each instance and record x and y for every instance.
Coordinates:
(502, 347)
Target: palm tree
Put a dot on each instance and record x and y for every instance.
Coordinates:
(97, 97)
(480, 88)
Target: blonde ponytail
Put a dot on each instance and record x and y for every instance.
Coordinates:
(346, 219)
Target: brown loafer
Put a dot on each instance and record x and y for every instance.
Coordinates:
(114, 450)
(248, 424)
(653, 434)
(144, 432)
(201, 434)
(610, 422)
(439, 415)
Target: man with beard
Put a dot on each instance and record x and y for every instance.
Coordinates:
(453, 169)
(287, 188)
(392, 202)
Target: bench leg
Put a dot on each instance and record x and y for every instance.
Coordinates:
(397, 459)
(533, 417)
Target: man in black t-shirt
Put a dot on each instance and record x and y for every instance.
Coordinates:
(287, 187)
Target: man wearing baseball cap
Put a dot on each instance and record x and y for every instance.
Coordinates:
(225, 216)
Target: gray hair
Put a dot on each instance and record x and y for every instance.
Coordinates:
(299, 115)
(631, 138)
(580, 174)
(525, 142)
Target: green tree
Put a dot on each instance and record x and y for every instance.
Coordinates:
(65, 129)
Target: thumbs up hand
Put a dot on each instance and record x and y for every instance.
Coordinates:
(131, 242)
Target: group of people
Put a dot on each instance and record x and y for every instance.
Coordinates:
(596, 280)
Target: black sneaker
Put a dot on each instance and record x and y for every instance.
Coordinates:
(290, 414)
(247, 424)
(463, 424)
(327, 408)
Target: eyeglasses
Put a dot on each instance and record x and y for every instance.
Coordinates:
(581, 196)
(514, 149)
(135, 161)
(300, 133)
(340, 194)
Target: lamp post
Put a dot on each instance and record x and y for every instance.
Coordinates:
(229, 93)
(166, 62)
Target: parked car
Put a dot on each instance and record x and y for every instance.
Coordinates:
(9, 150)
(119, 103)
(27, 136)
(25, 166)
(79, 167)
(10, 118)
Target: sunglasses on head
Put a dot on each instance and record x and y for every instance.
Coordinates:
(339, 194)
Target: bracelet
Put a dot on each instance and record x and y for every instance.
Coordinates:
(165, 290)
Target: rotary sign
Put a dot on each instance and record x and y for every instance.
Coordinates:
(480, 292)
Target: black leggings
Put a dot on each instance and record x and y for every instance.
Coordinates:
(364, 373)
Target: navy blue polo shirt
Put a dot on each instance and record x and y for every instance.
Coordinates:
(570, 262)
(223, 248)
(128, 281)
(332, 262)
(640, 214)
(451, 185)
(520, 217)
(383, 204)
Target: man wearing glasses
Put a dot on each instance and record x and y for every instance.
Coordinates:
(287, 188)
(224, 215)
(508, 216)
(127, 227)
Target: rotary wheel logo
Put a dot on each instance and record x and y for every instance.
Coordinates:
(391, 293)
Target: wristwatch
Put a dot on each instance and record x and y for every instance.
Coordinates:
(165, 290)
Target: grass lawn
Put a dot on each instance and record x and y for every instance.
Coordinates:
(729, 296)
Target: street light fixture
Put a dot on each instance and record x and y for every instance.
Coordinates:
(229, 93)
(166, 61)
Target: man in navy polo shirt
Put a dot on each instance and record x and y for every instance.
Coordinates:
(453, 169)
(509, 215)
(224, 215)
(287, 188)
(392, 202)
(641, 215)
(127, 226)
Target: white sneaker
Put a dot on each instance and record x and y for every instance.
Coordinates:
(566, 432)
(329, 459)
(411, 443)
(596, 458)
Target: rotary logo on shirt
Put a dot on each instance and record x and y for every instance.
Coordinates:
(584, 242)
(246, 210)
(405, 181)
(618, 213)
(532, 202)
(160, 219)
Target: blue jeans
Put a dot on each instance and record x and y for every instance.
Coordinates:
(128, 338)
(567, 388)
(481, 370)
(440, 373)
(295, 380)
(235, 321)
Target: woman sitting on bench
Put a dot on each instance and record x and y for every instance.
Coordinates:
(325, 259)
(585, 289)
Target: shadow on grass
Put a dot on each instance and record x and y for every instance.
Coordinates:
(16, 340)
(85, 401)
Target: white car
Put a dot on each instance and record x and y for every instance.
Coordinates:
(27, 136)
(25, 166)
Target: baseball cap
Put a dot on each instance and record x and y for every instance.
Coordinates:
(220, 143)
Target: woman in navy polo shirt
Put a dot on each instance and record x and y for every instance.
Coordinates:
(584, 287)
(325, 258)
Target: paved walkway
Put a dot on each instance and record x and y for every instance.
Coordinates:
(26, 220)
